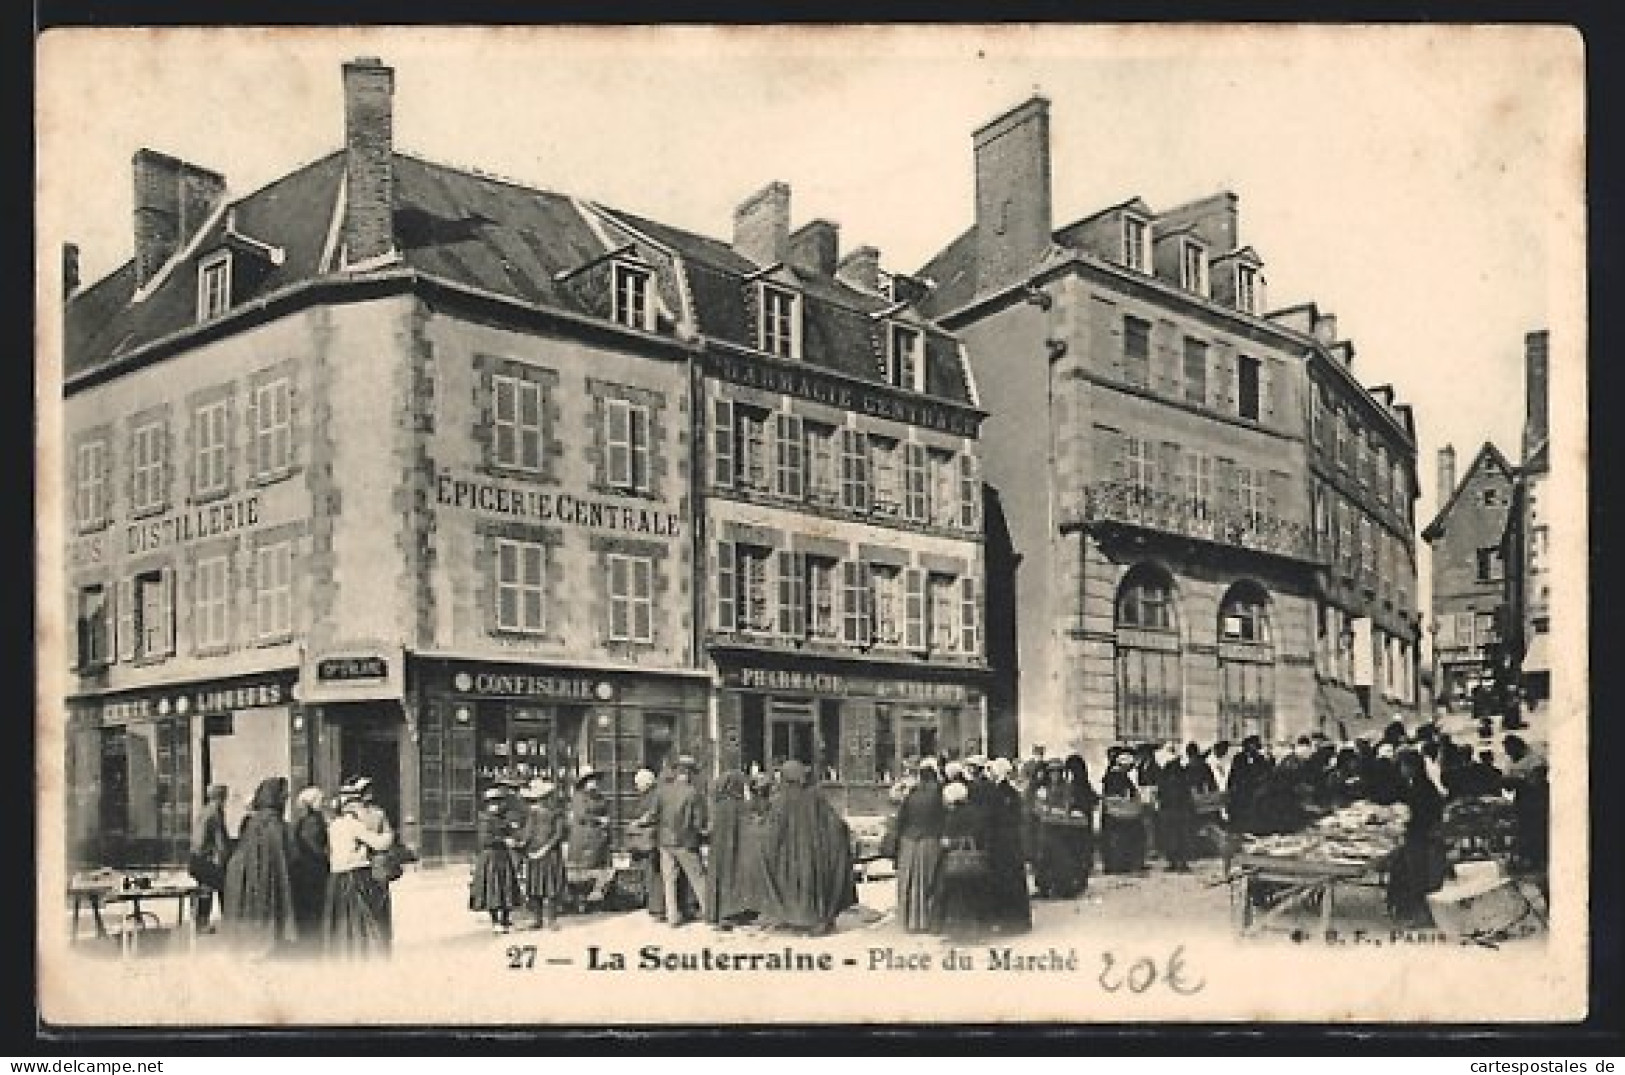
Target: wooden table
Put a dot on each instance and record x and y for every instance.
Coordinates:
(1305, 881)
(137, 919)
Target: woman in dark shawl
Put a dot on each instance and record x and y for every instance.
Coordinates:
(729, 871)
(1124, 837)
(962, 903)
(588, 842)
(1010, 906)
(1068, 830)
(494, 885)
(808, 848)
(307, 866)
(258, 906)
(1418, 865)
(919, 852)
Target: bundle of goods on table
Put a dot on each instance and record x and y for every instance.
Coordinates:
(1362, 834)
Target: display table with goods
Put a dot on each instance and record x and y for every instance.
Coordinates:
(1271, 876)
(129, 889)
(1482, 899)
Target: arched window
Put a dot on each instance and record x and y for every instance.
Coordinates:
(1246, 664)
(1148, 672)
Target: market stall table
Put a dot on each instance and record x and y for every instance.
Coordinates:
(103, 890)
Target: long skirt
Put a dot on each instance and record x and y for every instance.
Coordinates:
(1065, 857)
(1417, 868)
(495, 884)
(1124, 839)
(918, 862)
(962, 905)
(545, 878)
(355, 922)
(1009, 907)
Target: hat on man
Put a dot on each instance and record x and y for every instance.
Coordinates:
(537, 789)
(589, 773)
(686, 761)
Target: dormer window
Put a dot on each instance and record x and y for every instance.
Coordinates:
(779, 326)
(632, 304)
(214, 286)
(905, 359)
(1136, 243)
(1193, 266)
(1247, 289)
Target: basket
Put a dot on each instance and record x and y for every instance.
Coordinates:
(1124, 809)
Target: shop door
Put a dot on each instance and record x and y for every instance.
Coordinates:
(375, 752)
(790, 733)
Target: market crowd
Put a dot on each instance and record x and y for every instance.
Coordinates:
(315, 883)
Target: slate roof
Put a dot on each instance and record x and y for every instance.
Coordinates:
(1436, 527)
(498, 237)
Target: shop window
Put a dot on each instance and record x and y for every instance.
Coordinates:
(790, 464)
(521, 574)
(905, 363)
(273, 590)
(210, 428)
(632, 306)
(1136, 351)
(211, 603)
(942, 613)
(855, 470)
(823, 608)
(271, 425)
(1195, 371)
(94, 628)
(887, 769)
(753, 733)
(914, 483)
(149, 491)
(823, 464)
(626, 445)
(830, 753)
(146, 793)
(631, 598)
(887, 494)
(90, 483)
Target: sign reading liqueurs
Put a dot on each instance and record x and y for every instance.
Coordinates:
(549, 506)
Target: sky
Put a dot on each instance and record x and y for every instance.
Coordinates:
(1423, 184)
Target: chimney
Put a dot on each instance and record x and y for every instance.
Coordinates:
(1013, 213)
(1536, 366)
(762, 225)
(1447, 474)
(70, 269)
(172, 201)
(860, 269)
(815, 247)
(1325, 329)
(369, 155)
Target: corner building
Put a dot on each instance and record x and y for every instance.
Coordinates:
(1153, 545)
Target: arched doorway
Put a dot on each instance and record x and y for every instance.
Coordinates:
(1246, 664)
(1148, 657)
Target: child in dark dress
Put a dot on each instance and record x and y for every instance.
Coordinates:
(494, 887)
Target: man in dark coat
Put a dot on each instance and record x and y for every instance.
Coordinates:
(1248, 775)
(679, 818)
(258, 905)
(808, 848)
(211, 850)
(1010, 904)
(730, 871)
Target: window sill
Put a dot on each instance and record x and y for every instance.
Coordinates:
(149, 510)
(94, 526)
(628, 492)
(221, 650)
(519, 634)
(539, 476)
(266, 641)
(150, 660)
(630, 643)
(209, 496)
(271, 477)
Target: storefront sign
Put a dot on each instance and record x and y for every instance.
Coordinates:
(205, 698)
(547, 506)
(215, 520)
(349, 669)
(832, 392)
(795, 681)
(507, 684)
(357, 671)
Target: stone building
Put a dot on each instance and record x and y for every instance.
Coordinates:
(1468, 603)
(1154, 563)
(1529, 577)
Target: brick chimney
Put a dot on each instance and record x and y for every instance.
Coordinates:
(1447, 474)
(369, 154)
(172, 201)
(815, 247)
(1536, 372)
(860, 269)
(1013, 212)
(762, 225)
(70, 269)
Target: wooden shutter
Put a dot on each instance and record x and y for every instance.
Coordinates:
(722, 443)
(969, 616)
(1268, 384)
(914, 481)
(1105, 338)
(640, 448)
(127, 623)
(914, 608)
(166, 612)
(792, 594)
(789, 455)
(727, 591)
(1222, 386)
(1165, 358)
(857, 603)
(970, 488)
(79, 632)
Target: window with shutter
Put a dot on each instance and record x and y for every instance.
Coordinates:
(822, 606)
(792, 594)
(791, 457)
(1195, 371)
(970, 619)
(722, 443)
(1136, 351)
(125, 619)
(92, 627)
(887, 489)
(618, 442)
(854, 470)
(823, 464)
(1247, 387)
(970, 492)
(726, 591)
(914, 482)
(755, 596)
(211, 607)
(914, 609)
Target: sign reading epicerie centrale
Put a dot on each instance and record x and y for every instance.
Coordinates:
(554, 506)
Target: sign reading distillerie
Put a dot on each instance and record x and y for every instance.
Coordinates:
(833, 392)
(179, 528)
(549, 506)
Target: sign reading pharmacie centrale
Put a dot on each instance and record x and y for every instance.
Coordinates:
(617, 515)
(837, 684)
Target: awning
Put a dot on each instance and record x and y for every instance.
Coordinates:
(1538, 658)
(1336, 707)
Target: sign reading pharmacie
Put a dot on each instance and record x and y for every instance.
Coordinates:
(259, 691)
(818, 387)
(841, 685)
(614, 515)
